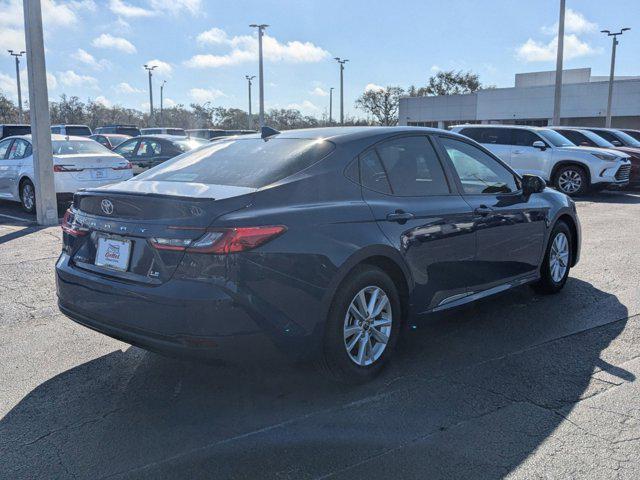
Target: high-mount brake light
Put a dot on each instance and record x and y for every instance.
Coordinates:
(222, 241)
(70, 226)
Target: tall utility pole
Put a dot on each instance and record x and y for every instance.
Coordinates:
(45, 191)
(150, 69)
(17, 55)
(331, 106)
(612, 71)
(161, 102)
(558, 92)
(249, 78)
(260, 28)
(341, 61)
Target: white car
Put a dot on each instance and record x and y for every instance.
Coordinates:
(78, 162)
(542, 151)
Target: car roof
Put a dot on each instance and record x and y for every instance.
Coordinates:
(490, 125)
(54, 137)
(69, 125)
(162, 136)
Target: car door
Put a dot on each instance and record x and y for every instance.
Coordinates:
(510, 227)
(420, 213)
(15, 163)
(5, 172)
(525, 158)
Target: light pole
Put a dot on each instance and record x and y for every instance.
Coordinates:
(341, 61)
(150, 69)
(45, 190)
(249, 78)
(260, 28)
(558, 91)
(161, 102)
(613, 67)
(331, 106)
(17, 56)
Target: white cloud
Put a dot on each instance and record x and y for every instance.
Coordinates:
(8, 86)
(168, 102)
(244, 48)
(177, 6)
(163, 68)
(533, 51)
(373, 87)
(52, 81)
(574, 22)
(306, 107)
(127, 10)
(89, 60)
(103, 101)
(203, 95)
(435, 69)
(319, 92)
(72, 79)
(107, 40)
(124, 87)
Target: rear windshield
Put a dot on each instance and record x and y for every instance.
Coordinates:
(10, 130)
(131, 131)
(78, 147)
(81, 131)
(245, 162)
(176, 131)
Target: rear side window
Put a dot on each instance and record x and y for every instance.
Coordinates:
(412, 167)
(496, 136)
(4, 146)
(372, 174)
(245, 162)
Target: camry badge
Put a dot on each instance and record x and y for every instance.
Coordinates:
(107, 206)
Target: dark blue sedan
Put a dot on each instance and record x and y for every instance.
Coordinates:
(316, 244)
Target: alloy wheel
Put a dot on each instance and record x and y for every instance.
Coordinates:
(559, 257)
(367, 325)
(28, 196)
(570, 181)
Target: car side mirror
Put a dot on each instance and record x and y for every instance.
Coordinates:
(539, 144)
(532, 184)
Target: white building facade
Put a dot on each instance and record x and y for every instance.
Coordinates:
(530, 102)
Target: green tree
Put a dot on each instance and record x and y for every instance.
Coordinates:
(448, 82)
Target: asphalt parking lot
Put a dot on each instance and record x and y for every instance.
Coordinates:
(518, 386)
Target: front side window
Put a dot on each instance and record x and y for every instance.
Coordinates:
(524, 138)
(126, 148)
(413, 167)
(478, 172)
(148, 148)
(488, 135)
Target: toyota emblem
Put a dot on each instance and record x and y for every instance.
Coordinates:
(107, 206)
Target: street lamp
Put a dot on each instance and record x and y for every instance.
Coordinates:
(613, 67)
(150, 69)
(557, 97)
(331, 105)
(249, 78)
(341, 61)
(161, 102)
(17, 56)
(260, 28)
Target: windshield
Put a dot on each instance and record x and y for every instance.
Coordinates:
(241, 162)
(555, 139)
(597, 139)
(78, 147)
(626, 139)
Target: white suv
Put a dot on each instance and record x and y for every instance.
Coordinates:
(541, 151)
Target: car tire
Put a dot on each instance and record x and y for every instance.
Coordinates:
(28, 196)
(366, 358)
(557, 260)
(571, 180)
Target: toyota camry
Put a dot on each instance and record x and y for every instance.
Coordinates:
(313, 244)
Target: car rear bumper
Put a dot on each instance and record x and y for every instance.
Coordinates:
(181, 317)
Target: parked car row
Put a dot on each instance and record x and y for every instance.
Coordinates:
(590, 162)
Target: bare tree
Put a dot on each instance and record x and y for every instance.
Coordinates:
(381, 103)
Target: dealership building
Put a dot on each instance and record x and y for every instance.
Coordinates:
(530, 102)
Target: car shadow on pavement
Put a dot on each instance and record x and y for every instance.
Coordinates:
(7, 237)
(471, 394)
(621, 196)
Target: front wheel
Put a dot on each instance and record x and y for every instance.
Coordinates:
(557, 261)
(362, 326)
(571, 180)
(28, 196)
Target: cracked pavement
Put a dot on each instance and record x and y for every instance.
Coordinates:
(518, 386)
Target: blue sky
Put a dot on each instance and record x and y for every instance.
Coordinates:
(96, 48)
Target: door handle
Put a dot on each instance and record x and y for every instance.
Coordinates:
(517, 152)
(483, 211)
(399, 216)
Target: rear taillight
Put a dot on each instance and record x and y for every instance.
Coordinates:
(222, 241)
(66, 168)
(70, 226)
(126, 166)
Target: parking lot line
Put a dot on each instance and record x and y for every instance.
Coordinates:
(11, 217)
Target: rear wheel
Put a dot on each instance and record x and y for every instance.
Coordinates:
(362, 326)
(572, 180)
(557, 261)
(28, 196)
